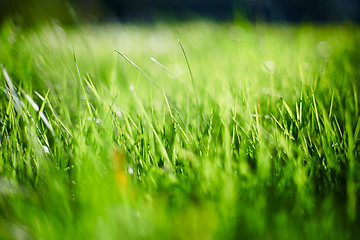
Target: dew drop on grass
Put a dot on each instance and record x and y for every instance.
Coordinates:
(46, 149)
(118, 111)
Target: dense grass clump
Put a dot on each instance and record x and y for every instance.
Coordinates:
(234, 131)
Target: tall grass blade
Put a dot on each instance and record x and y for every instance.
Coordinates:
(173, 74)
(140, 70)
(191, 75)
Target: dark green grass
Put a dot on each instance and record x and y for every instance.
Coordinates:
(242, 132)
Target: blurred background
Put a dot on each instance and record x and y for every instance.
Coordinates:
(32, 12)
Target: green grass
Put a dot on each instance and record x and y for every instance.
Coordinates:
(233, 132)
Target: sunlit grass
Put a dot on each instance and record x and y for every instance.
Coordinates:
(185, 131)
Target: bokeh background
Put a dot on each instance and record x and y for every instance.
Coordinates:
(32, 12)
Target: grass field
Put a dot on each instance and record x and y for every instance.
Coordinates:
(190, 130)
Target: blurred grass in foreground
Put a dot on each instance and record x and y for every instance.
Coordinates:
(263, 144)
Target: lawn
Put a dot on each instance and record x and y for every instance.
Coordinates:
(192, 130)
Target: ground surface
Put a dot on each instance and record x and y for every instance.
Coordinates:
(237, 131)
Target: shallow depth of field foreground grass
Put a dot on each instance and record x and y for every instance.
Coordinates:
(259, 139)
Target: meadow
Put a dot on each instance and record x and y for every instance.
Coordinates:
(189, 130)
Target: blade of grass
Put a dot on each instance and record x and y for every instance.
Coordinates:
(140, 70)
(171, 73)
(191, 75)
(83, 89)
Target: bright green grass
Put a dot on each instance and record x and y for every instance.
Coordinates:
(260, 142)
